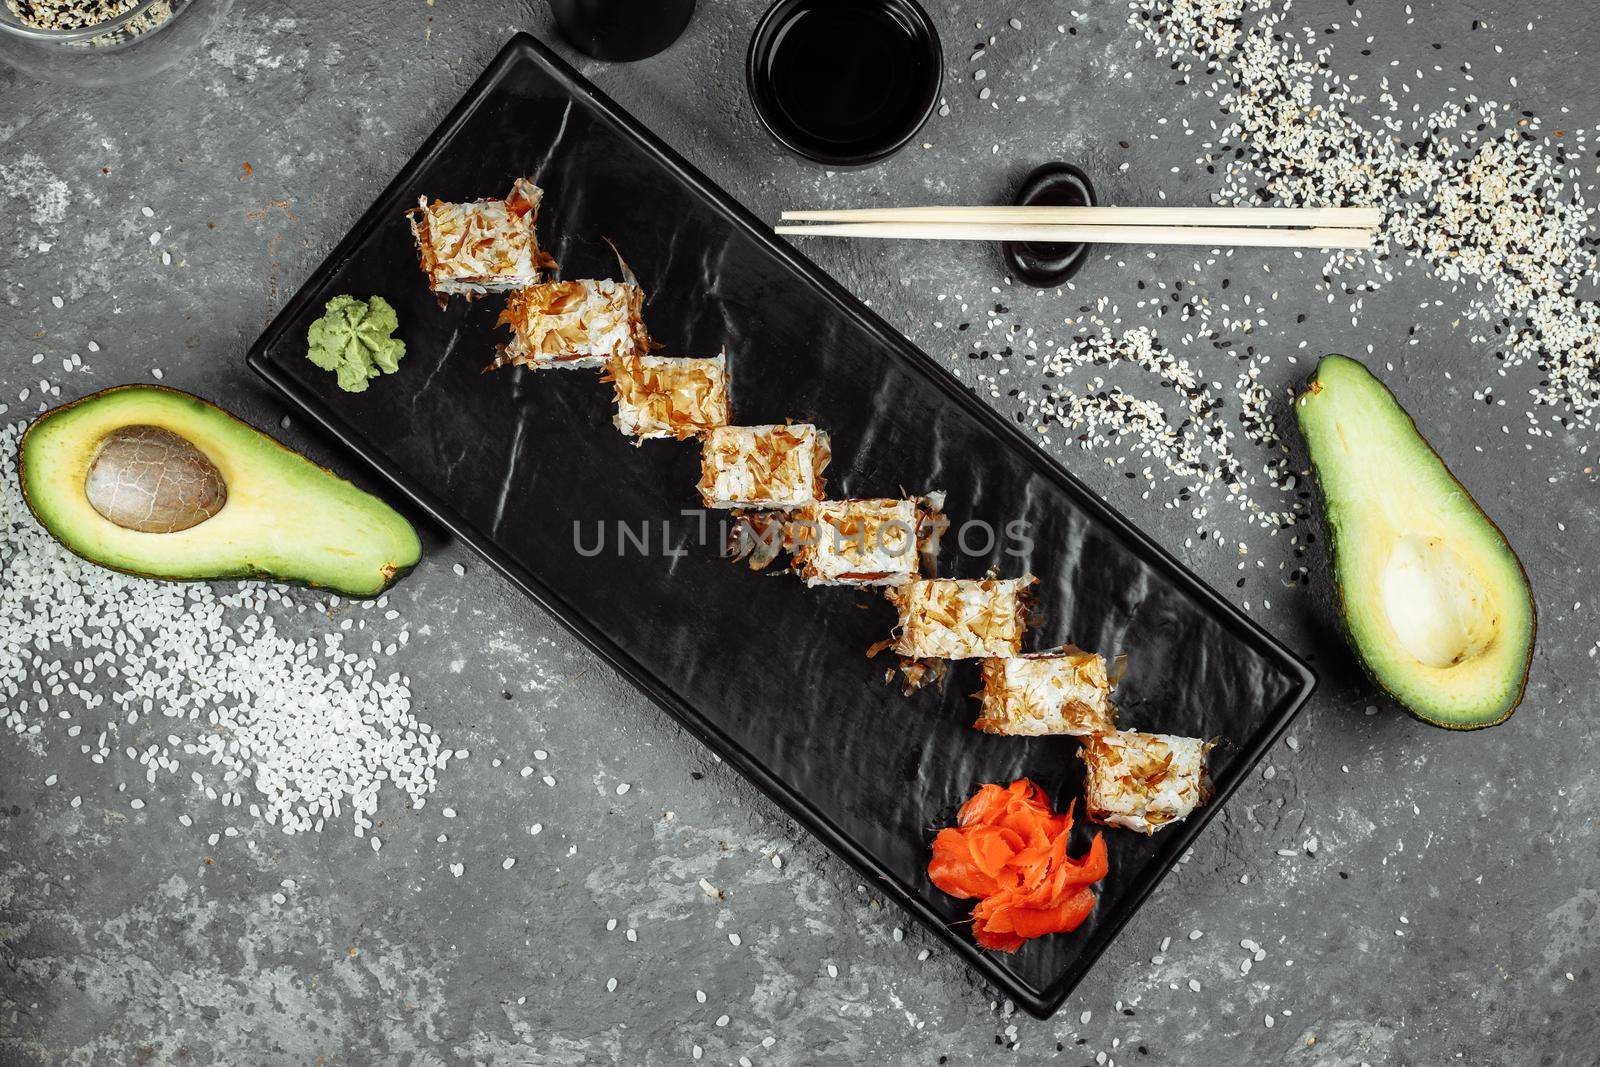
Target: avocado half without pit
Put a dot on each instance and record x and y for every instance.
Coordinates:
(158, 483)
(1433, 599)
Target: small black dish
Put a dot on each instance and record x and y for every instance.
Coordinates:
(1045, 266)
(844, 82)
(621, 31)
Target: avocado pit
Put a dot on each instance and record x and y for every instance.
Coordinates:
(152, 480)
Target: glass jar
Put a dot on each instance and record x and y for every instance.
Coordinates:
(149, 37)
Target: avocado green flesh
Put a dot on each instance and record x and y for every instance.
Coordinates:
(1436, 604)
(285, 518)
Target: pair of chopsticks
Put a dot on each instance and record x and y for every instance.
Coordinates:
(1271, 227)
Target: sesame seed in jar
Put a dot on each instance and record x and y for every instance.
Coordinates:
(68, 14)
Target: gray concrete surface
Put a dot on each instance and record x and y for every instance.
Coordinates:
(1447, 914)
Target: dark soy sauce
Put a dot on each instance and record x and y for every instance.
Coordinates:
(848, 75)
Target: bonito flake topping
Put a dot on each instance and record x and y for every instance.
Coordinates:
(1144, 781)
(866, 542)
(658, 396)
(487, 246)
(965, 618)
(1062, 692)
(573, 324)
(763, 466)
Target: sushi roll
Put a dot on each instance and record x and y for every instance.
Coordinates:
(487, 246)
(1144, 781)
(866, 542)
(574, 325)
(950, 618)
(1062, 692)
(662, 397)
(774, 467)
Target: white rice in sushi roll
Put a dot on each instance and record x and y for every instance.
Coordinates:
(658, 396)
(866, 542)
(773, 467)
(486, 246)
(1144, 781)
(1066, 691)
(573, 325)
(960, 618)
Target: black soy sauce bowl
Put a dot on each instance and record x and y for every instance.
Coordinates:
(863, 142)
(1045, 265)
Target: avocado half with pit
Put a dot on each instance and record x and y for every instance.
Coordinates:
(1435, 602)
(161, 484)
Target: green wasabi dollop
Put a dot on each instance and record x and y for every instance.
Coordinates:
(354, 339)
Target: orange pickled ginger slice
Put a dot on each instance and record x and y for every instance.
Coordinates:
(1008, 850)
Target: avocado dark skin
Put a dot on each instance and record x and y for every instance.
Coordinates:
(1433, 600)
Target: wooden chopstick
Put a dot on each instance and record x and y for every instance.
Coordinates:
(1315, 237)
(1366, 217)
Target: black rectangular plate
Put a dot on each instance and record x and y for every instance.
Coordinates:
(771, 675)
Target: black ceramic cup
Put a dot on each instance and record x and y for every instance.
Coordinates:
(844, 82)
(621, 31)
